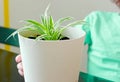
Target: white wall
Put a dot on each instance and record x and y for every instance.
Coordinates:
(26, 9)
(32, 9)
(1, 12)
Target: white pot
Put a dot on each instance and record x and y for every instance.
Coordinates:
(52, 61)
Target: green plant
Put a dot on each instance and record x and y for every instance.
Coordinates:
(47, 29)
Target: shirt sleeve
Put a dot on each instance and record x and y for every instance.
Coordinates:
(86, 28)
(90, 21)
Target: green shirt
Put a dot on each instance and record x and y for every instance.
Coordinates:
(103, 39)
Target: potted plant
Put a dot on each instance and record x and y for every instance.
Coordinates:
(50, 52)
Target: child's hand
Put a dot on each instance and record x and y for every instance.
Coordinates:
(18, 59)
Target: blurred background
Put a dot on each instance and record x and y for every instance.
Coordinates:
(13, 11)
(32, 9)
